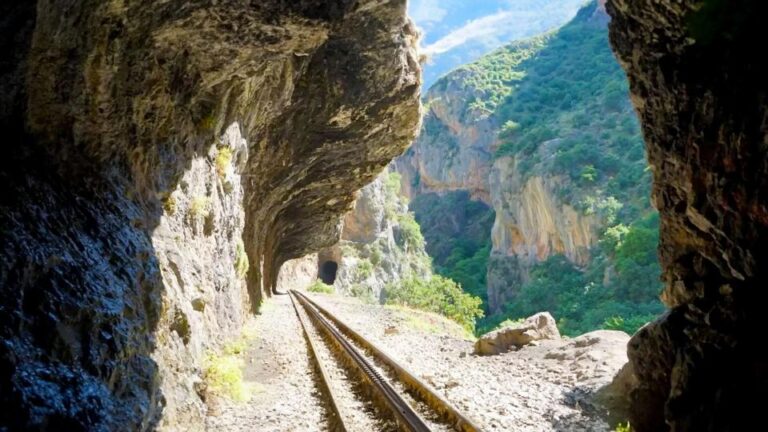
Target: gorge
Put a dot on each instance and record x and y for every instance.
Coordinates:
(174, 166)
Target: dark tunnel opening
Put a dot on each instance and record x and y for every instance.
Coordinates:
(327, 272)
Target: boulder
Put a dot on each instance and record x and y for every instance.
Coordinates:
(536, 327)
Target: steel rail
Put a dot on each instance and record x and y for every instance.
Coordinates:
(338, 425)
(420, 389)
(405, 416)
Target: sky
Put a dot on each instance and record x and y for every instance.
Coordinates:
(456, 32)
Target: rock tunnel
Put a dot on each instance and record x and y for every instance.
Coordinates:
(698, 82)
(327, 271)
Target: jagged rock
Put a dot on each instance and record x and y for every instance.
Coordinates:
(702, 96)
(116, 117)
(614, 397)
(454, 151)
(371, 252)
(537, 327)
(532, 224)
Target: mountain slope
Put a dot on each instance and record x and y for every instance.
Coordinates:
(548, 123)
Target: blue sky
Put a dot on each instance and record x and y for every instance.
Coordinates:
(456, 32)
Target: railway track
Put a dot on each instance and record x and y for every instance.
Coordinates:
(401, 400)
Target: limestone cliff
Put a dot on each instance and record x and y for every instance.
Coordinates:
(454, 150)
(376, 246)
(162, 161)
(532, 224)
(543, 131)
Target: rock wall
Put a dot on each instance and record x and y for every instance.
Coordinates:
(297, 273)
(532, 223)
(163, 161)
(454, 150)
(702, 96)
(374, 251)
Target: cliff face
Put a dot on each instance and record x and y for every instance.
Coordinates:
(702, 97)
(532, 224)
(454, 150)
(542, 131)
(376, 246)
(154, 152)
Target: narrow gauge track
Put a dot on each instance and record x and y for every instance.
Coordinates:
(341, 338)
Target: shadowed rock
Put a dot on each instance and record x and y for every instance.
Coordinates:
(702, 96)
(160, 152)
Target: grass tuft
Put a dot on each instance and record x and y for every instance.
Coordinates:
(319, 287)
(223, 160)
(241, 259)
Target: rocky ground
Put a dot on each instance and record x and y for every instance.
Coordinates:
(537, 388)
(277, 365)
(548, 386)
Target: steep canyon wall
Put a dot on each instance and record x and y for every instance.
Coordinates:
(517, 130)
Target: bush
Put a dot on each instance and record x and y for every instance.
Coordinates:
(223, 372)
(224, 376)
(392, 183)
(200, 206)
(436, 294)
(223, 160)
(319, 287)
(241, 259)
(411, 232)
(170, 205)
(364, 269)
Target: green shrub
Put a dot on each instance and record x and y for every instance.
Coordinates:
(241, 259)
(392, 183)
(223, 371)
(319, 287)
(200, 206)
(436, 294)
(223, 160)
(170, 205)
(364, 269)
(411, 232)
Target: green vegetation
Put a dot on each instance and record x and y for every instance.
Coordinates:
(410, 232)
(223, 160)
(496, 75)
(583, 300)
(567, 89)
(223, 371)
(460, 244)
(200, 206)
(241, 259)
(364, 268)
(509, 323)
(623, 427)
(319, 287)
(562, 104)
(436, 294)
(170, 205)
(392, 191)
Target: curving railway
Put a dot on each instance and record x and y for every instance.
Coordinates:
(367, 389)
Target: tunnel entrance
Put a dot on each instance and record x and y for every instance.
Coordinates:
(327, 272)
